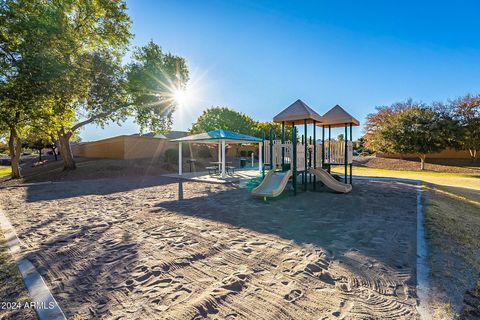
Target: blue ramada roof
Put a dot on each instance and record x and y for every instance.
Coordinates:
(215, 136)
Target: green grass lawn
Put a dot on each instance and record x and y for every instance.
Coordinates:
(471, 181)
(4, 170)
(11, 285)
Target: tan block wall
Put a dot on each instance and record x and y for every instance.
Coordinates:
(128, 147)
(112, 148)
(144, 147)
(124, 147)
(445, 154)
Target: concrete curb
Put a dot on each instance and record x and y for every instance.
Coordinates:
(422, 266)
(44, 303)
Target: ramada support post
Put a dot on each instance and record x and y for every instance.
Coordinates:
(305, 156)
(294, 159)
(180, 160)
(283, 148)
(346, 153)
(314, 152)
(223, 158)
(351, 141)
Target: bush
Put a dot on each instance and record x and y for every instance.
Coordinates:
(171, 155)
(204, 152)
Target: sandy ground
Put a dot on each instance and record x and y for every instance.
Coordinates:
(129, 249)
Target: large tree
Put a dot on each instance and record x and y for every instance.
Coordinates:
(153, 79)
(216, 118)
(378, 120)
(410, 128)
(104, 99)
(46, 62)
(466, 110)
(27, 31)
(88, 49)
(264, 127)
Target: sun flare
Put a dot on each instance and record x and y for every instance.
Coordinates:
(181, 96)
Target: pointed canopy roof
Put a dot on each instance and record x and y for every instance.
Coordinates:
(217, 136)
(338, 117)
(297, 112)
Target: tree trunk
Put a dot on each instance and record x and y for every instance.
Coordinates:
(422, 162)
(54, 150)
(66, 151)
(40, 154)
(473, 154)
(15, 147)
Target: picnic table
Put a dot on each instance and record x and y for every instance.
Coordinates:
(190, 161)
(228, 167)
(219, 163)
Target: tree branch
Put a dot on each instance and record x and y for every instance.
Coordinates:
(90, 120)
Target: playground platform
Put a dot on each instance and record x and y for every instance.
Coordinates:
(203, 176)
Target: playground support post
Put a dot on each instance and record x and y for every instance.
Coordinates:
(271, 148)
(302, 143)
(351, 141)
(346, 153)
(323, 147)
(294, 159)
(314, 152)
(329, 146)
(260, 158)
(262, 154)
(305, 156)
(309, 160)
(283, 148)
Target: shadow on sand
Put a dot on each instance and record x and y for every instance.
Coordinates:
(377, 220)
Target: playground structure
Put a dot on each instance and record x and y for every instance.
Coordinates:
(305, 156)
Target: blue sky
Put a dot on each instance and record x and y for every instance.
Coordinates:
(259, 56)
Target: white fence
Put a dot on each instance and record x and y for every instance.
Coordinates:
(334, 153)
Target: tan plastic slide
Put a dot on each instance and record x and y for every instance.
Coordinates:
(330, 181)
(273, 184)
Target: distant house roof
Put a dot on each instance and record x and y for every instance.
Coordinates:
(218, 135)
(338, 117)
(297, 113)
(176, 134)
(169, 135)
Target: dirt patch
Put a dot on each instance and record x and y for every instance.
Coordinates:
(89, 168)
(131, 249)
